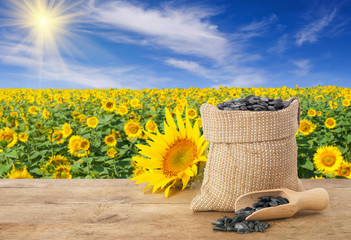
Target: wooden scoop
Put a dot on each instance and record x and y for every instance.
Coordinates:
(314, 199)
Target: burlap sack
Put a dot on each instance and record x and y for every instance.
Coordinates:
(249, 151)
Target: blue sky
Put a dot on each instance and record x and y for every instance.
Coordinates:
(168, 44)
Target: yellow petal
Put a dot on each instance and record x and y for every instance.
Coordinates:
(185, 180)
(170, 120)
(167, 189)
(196, 131)
(148, 186)
(189, 172)
(194, 169)
(202, 149)
(181, 125)
(148, 151)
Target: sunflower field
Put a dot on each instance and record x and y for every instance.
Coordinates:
(98, 133)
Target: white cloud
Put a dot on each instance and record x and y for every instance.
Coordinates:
(248, 80)
(310, 32)
(189, 66)
(183, 30)
(256, 28)
(304, 66)
(281, 46)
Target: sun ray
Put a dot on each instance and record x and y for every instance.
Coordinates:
(43, 27)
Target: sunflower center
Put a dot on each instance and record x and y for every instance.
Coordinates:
(305, 127)
(345, 172)
(58, 136)
(133, 129)
(179, 156)
(330, 122)
(8, 137)
(329, 160)
(109, 104)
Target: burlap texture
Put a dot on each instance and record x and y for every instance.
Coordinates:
(249, 151)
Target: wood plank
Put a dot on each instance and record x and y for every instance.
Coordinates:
(117, 209)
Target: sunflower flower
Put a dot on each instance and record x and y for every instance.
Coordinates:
(62, 172)
(110, 140)
(306, 127)
(133, 129)
(10, 136)
(311, 113)
(23, 137)
(75, 146)
(344, 170)
(173, 156)
(58, 160)
(330, 123)
(109, 105)
(92, 122)
(346, 103)
(328, 158)
(66, 130)
(192, 113)
(19, 173)
(151, 126)
(112, 152)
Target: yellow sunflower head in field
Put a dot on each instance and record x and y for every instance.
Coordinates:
(92, 122)
(319, 113)
(33, 110)
(346, 103)
(66, 130)
(109, 105)
(133, 129)
(46, 114)
(306, 127)
(14, 114)
(151, 126)
(75, 147)
(58, 160)
(23, 137)
(134, 102)
(311, 113)
(9, 136)
(19, 173)
(110, 140)
(328, 159)
(84, 145)
(57, 135)
(344, 170)
(173, 156)
(62, 172)
(192, 113)
(330, 123)
(123, 110)
(112, 152)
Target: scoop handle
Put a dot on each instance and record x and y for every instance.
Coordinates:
(314, 199)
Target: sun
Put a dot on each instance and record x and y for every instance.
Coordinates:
(44, 25)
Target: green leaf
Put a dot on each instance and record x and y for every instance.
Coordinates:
(4, 169)
(35, 155)
(13, 154)
(308, 165)
(99, 169)
(75, 167)
(36, 171)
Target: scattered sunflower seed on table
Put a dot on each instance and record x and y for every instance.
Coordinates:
(238, 223)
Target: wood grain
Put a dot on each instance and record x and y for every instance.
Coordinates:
(117, 209)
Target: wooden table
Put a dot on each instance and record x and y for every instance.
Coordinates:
(117, 209)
